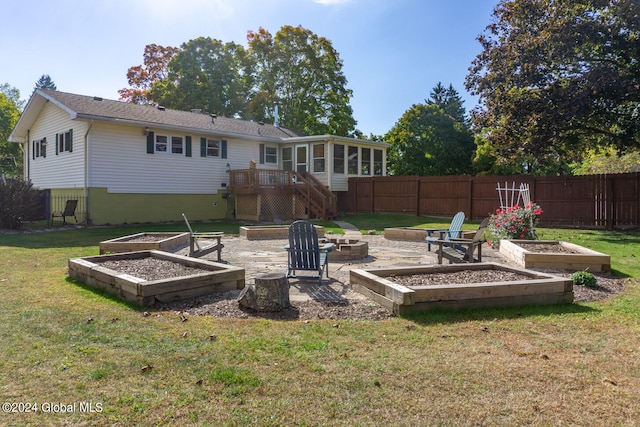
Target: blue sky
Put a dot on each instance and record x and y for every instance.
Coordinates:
(393, 51)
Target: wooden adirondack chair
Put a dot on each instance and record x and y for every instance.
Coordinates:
(453, 232)
(69, 210)
(304, 251)
(195, 250)
(449, 249)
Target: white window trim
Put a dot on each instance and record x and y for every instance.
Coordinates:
(168, 144)
(323, 158)
(273, 155)
(216, 144)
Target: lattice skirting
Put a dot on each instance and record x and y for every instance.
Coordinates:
(269, 207)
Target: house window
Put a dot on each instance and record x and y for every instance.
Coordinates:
(39, 147)
(365, 166)
(161, 144)
(176, 145)
(318, 157)
(270, 155)
(338, 158)
(377, 162)
(352, 160)
(169, 144)
(213, 148)
(287, 158)
(64, 142)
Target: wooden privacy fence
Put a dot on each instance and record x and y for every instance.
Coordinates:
(587, 200)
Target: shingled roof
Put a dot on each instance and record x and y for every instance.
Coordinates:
(95, 108)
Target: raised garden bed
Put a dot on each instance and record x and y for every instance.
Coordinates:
(148, 276)
(409, 289)
(256, 232)
(414, 234)
(167, 242)
(551, 254)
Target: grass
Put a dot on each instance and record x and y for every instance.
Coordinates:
(65, 343)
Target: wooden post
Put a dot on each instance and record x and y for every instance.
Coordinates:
(269, 293)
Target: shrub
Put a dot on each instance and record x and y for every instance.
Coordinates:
(17, 200)
(514, 223)
(584, 278)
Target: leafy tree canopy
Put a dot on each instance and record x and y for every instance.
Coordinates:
(556, 77)
(303, 73)
(45, 82)
(207, 74)
(141, 77)
(428, 140)
(296, 69)
(608, 160)
(10, 152)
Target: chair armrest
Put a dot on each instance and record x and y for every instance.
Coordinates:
(327, 247)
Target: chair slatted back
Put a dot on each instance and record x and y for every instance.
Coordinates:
(455, 229)
(304, 247)
(70, 208)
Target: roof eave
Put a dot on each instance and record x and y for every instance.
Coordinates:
(201, 131)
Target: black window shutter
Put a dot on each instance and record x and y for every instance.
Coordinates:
(187, 140)
(203, 147)
(70, 140)
(57, 142)
(261, 154)
(43, 147)
(150, 143)
(33, 150)
(223, 149)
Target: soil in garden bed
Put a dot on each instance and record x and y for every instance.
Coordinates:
(458, 278)
(553, 248)
(150, 268)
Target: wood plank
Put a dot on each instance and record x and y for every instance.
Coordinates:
(395, 292)
(489, 290)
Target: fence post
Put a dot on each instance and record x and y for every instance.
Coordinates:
(417, 196)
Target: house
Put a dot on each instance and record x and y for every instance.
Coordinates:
(132, 163)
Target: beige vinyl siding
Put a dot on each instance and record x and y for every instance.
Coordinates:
(65, 170)
(120, 163)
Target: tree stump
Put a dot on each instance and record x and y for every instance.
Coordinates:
(269, 293)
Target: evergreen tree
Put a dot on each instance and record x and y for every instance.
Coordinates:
(45, 82)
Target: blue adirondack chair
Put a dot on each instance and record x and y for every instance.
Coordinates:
(453, 232)
(304, 251)
(464, 248)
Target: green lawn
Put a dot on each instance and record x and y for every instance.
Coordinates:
(64, 343)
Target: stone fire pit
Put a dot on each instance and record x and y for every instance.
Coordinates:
(167, 242)
(347, 249)
(402, 290)
(171, 277)
(552, 254)
(257, 232)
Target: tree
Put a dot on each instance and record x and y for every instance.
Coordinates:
(45, 82)
(429, 141)
(303, 74)
(449, 100)
(556, 77)
(141, 77)
(10, 152)
(207, 74)
(608, 160)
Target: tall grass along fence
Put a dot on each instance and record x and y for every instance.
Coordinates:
(604, 201)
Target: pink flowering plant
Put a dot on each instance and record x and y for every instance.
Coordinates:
(516, 222)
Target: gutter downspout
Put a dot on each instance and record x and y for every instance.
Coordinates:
(86, 174)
